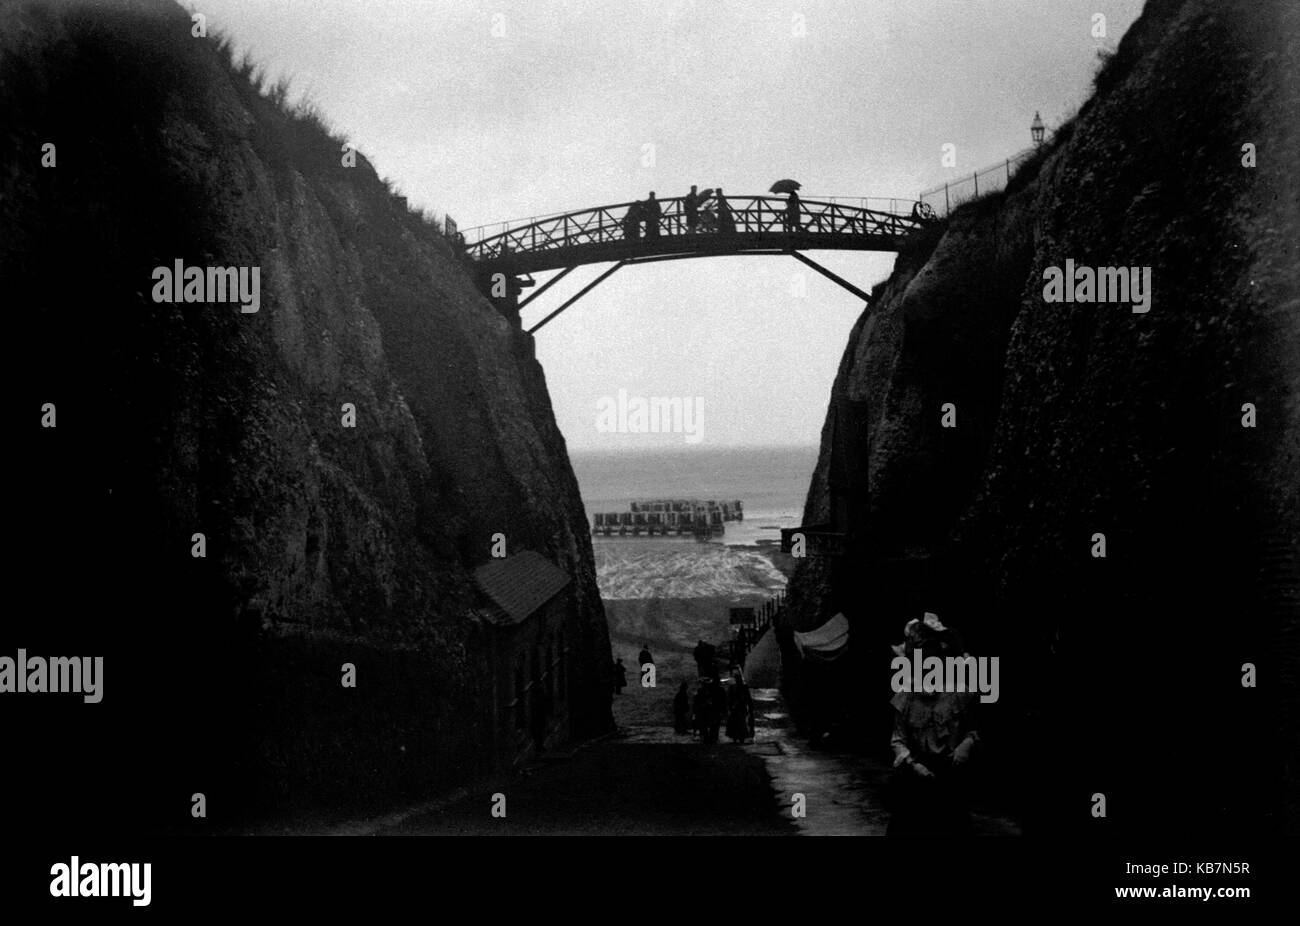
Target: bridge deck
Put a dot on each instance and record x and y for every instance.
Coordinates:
(761, 226)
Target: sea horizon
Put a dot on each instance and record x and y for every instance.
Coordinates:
(771, 481)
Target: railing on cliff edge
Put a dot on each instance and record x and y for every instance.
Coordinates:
(948, 196)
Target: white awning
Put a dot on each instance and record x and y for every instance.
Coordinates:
(829, 641)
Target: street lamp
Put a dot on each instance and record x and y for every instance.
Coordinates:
(1036, 129)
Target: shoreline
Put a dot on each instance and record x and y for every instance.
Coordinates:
(672, 593)
(771, 550)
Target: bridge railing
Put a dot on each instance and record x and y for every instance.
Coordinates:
(899, 205)
(749, 214)
(895, 204)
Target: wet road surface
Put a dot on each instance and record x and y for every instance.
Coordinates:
(647, 779)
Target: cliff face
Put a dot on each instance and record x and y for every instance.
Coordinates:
(1120, 675)
(325, 544)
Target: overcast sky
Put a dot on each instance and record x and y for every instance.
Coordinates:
(488, 110)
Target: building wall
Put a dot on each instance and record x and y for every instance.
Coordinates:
(535, 661)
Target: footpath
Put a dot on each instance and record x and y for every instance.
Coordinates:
(646, 779)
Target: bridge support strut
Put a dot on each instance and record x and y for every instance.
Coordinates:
(548, 284)
(830, 276)
(572, 299)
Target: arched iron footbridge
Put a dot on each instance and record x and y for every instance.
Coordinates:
(504, 256)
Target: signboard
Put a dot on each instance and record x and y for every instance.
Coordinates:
(449, 225)
(742, 615)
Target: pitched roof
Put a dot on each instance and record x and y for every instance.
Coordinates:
(518, 585)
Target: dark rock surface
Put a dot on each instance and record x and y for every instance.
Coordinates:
(1120, 675)
(325, 544)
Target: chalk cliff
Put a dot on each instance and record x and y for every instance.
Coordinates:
(1120, 675)
(325, 544)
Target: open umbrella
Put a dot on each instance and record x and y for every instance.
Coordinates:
(785, 186)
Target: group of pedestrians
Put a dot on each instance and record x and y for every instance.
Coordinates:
(705, 211)
(713, 704)
(933, 740)
(642, 213)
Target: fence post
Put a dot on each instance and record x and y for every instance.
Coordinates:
(946, 207)
(976, 177)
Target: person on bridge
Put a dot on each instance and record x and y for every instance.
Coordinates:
(691, 206)
(726, 221)
(632, 222)
(652, 212)
(792, 223)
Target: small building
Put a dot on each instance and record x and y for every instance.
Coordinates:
(527, 610)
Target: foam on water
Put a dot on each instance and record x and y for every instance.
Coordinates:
(644, 568)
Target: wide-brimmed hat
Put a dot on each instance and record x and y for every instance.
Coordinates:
(928, 630)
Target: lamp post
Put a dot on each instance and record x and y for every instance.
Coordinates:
(1036, 129)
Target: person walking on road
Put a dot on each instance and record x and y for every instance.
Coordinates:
(710, 705)
(620, 676)
(934, 736)
(682, 709)
(740, 710)
(703, 659)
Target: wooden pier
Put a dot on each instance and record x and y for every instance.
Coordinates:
(665, 517)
